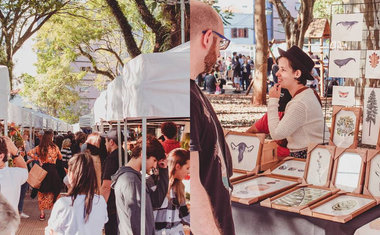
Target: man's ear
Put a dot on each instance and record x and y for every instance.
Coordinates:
(207, 39)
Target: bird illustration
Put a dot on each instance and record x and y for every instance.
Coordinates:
(343, 62)
(347, 24)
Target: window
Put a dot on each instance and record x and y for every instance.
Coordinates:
(87, 68)
(239, 33)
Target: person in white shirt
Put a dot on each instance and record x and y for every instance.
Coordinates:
(83, 211)
(11, 178)
(303, 121)
(9, 218)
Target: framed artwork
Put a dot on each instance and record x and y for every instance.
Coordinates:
(372, 176)
(372, 66)
(269, 155)
(343, 95)
(290, 167)
(347, 27)
(371, 116)
(319, 165)
(348, 171)
(344, 64)
(237, 176)
(297, 198)
(245, 150)
(345, 127)
(256, 188)
(340, 207)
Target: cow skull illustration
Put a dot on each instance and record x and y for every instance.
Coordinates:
(241, 147)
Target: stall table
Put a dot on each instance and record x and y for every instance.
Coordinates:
(255, 219)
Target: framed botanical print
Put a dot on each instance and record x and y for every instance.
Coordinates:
(345, 127)
(372, 176)
(319, 164)
(245, 151)
(259, 187)
(290, 167)
(340, 207)
(371, 116)
(298, 198)
(348, 173)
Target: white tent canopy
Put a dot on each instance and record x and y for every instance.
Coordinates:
(4, 92)
(100, 107)
(115, 93)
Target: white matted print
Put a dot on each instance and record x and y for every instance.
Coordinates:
(244, 151)
(371, 116)
(319, 164)
(347, 27)
(343, 95)
(372, 64)
(342, 205)
(344, 131)
(301, 196)
(259, 186)
(374, 176)
(344, 64)
(291, 168)
(348, 171)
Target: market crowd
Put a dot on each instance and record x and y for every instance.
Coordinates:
(86, 189)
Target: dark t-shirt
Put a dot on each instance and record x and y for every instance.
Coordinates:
(111, 165)
(210, 83)
(207, 137)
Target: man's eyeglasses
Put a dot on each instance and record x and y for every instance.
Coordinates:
(224, 42)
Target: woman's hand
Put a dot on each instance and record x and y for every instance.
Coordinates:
(12, 149)
(275, 91)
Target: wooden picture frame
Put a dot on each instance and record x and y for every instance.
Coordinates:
(348, 135)
(321, 164)
(236, 176)
(303, 199)
(246, 152)
(346, 163)
(269, 155)
(378, 141)
(286, 168)
(353, 204)
(263, 186)
(372, 176)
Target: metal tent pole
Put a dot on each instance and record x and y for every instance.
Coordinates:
(143, 178)
(119, 142)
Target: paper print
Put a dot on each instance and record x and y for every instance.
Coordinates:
(372, 65)
(301, 197)
(319, 164)
(343, 95)
(374, 176)
(348, 171)
(347, 27)
(259, 186)
(371, 116)
(344, 130)
(344, 64)
(342, 205)
(291, 168)
(244, 151)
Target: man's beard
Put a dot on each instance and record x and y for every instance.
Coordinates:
(211, 57)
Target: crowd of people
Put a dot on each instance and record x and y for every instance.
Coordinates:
(87, 190)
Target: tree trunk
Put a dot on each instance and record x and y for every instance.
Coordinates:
(259, 85)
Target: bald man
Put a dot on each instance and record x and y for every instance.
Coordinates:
(211, 164)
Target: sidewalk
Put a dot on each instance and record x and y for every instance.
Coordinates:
(32, 225)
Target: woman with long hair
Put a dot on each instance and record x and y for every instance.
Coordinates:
(93, 146)
(47, 153)
(82, 211)
(175, 201)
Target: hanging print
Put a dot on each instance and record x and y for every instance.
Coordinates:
(344, 64)
(347, 27)
(343, 95)
(372, 64)
(371, 116)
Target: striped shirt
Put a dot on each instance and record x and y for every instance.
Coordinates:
(66, 154)
(170, 216)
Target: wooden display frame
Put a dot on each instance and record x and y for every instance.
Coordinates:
(357, 111)
(370, 155)
(331, 149)
(269, 202)
(270, 171)
(378, 141)
(338, 153)
(252, 200)
(240, 176)
(269, 155)
(341, 219)
(261, 138)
